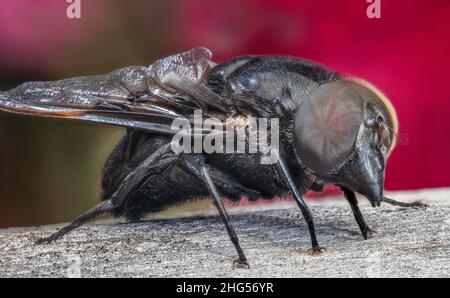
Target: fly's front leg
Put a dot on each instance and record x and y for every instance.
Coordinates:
(416, 204)
(197, 166)
(283, 170)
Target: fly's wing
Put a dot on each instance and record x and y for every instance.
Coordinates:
(147, 98)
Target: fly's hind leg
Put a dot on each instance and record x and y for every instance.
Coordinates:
(139, 173)
(197, 166)
(129, 182)
(101, 208)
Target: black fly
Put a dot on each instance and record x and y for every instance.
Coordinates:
(332, 129)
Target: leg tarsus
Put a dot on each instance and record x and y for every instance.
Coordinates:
(415, 204)
(102, 207)
(55, 236)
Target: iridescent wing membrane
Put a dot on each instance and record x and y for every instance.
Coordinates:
(147, 98)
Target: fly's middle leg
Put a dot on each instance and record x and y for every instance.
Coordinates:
(197, 166)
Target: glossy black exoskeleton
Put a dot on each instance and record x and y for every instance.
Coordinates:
(332, 129)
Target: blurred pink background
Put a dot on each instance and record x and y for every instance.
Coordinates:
(405, 54)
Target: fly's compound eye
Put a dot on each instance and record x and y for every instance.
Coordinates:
(326, 126)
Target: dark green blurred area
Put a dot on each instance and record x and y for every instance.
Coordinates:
(50, 169)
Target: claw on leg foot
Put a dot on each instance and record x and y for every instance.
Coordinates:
(370, 233)
(420, 205)
(316, 251)
(240, 264)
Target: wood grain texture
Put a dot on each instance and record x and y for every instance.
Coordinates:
(409, 242)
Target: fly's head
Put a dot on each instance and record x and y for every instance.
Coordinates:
(344, 132)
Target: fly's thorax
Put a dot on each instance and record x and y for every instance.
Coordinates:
(281, 81)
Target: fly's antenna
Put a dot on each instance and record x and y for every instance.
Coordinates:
(401, 138)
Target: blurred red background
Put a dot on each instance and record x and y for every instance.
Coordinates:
(405, 53)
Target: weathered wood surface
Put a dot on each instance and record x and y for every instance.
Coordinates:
(409, 242)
